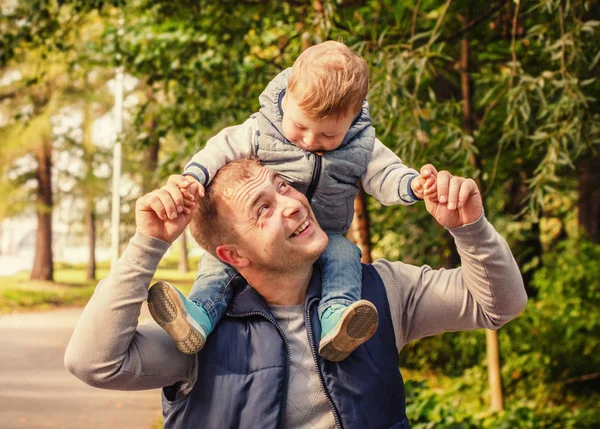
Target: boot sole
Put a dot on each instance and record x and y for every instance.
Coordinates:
(168, 310)
(358, 324)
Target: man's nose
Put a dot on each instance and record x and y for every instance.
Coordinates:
(290, 206)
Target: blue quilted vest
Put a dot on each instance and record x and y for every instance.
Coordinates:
(243, 370)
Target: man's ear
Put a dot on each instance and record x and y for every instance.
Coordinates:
(229, 254)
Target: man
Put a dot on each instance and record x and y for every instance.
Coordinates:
(260, 367)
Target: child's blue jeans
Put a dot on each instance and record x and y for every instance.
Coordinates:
(341, 278)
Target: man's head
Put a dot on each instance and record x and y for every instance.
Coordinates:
(327, 87)
(252, 219)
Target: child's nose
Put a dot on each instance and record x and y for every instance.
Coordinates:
(309, 139)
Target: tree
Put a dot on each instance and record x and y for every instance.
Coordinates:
(41, 41)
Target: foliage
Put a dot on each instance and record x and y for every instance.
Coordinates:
(546, 352)
(452, 404)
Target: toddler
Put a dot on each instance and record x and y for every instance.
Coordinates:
(314, 129)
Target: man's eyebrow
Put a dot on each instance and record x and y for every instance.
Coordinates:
(272, 176)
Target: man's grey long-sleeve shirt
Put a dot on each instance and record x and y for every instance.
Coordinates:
(108, 349)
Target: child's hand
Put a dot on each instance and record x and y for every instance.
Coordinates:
(425, 184)
(184, 184)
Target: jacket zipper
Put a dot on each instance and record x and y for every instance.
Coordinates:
(316, 174)
(287, 353)
(321, 378)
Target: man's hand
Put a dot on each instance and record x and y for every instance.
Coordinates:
(458, 201)
(164, 213)
(425, 180)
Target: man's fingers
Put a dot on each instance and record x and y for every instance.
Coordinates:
(453, 189)
(468, 188)
(162, 202)
(153, 202)
(176, 196)
(443, 184)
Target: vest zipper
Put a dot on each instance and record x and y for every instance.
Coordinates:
(287, 353)
(316, 174)
(321, 378)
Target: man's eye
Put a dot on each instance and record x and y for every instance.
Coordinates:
(263, 210)
(283, 186)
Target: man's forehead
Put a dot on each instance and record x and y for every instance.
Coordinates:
(243, 191)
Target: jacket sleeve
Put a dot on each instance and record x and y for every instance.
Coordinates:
(108, 349)
(231, 144)
(387, 178)
(486, 292)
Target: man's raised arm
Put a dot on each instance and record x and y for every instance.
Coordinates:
(107, 348)
(486, 292)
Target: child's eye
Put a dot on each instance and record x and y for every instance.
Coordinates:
(300, 127)
(328, 137)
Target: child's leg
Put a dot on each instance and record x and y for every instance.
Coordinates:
(212, 287)
(346, 320)
(190, 321)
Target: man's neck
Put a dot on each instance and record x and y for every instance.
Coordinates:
(281, 288)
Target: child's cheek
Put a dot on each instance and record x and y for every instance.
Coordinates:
(290, 134)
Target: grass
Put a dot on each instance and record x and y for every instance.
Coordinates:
(70, 288)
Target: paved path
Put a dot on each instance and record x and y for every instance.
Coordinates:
(36, 391)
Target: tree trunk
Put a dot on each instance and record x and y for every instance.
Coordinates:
(88, 187)
(184, 265)
(43, 267)
(588, 204)
(492, 348)
(360, 231)
(153, 148)
(90, 220)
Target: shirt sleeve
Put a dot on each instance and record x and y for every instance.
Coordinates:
(231, 144)
(108, 349)
(387, 178)
(486, 292)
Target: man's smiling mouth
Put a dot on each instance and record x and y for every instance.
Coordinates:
(301, 228)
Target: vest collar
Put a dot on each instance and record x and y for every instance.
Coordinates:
(247, 300)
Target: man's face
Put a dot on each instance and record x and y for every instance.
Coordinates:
(276, 227)
(313, 136)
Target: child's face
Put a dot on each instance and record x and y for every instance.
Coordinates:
(313, 136)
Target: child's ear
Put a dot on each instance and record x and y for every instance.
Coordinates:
(231, 256)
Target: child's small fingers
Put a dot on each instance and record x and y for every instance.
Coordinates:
(187, 194)
(189, 204)
(178, 180)
(428, 170)
(200, 190)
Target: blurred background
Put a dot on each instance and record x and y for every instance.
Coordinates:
(101, 100)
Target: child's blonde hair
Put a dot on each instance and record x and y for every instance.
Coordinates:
(329, 79)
